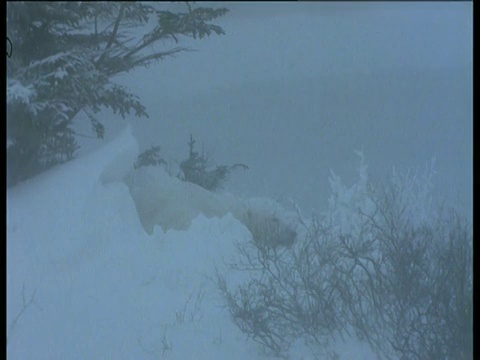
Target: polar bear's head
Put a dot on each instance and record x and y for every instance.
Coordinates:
(268, 229)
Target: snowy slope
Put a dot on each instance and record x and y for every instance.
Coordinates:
(85, 281)
(102, 287)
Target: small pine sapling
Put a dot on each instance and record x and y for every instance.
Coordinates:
(195, 170)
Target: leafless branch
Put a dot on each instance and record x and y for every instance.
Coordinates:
(25, 305)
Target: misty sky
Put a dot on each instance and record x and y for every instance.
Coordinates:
(293, 89)
(282, 40)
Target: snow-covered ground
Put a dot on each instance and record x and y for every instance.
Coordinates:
(85, 281)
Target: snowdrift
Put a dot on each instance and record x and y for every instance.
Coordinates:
(85, 281)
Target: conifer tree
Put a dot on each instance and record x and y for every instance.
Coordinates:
(195, 169)
(65, 55)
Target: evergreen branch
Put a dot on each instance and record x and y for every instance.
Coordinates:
(66, 54)
(114, 32)
(117, 24)
(148, 39)
(158, 56)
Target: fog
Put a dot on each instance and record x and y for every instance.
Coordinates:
(293, 89)
(123, 255)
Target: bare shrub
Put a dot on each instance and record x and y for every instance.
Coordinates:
(411, 297)
(403, 283)
(289, 296)
(450, 334)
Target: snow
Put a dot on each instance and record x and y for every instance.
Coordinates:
(86, 281)
(60, 73)
(18, 92)
(106, 262)
(343, 199)
(97, 269)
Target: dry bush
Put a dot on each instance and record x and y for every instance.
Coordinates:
(403, 285)
(407, 285)
(290, 294)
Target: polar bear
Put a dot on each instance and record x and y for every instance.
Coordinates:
(164, 200)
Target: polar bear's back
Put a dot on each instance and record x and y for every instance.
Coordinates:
(172, 203)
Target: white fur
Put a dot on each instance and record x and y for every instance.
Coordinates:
(171, 203)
